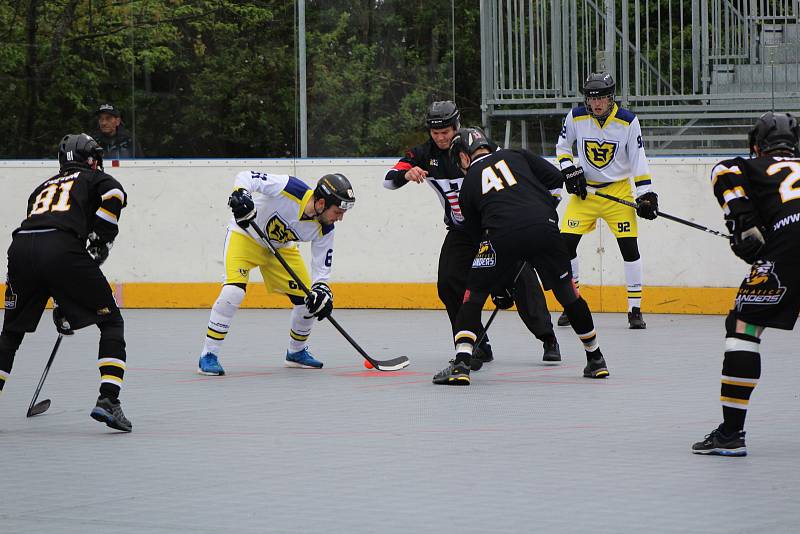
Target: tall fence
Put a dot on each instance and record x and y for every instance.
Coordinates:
(696, 72)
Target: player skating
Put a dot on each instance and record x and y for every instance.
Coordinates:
(49, 257)
(288, 211)
(610, 153)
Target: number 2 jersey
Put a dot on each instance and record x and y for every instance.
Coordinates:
(609, 153)
(280, 200)
(768, 186)
(79, 202)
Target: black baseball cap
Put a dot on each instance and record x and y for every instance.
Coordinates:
(108, 108)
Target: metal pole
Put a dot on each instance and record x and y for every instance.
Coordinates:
(486, 55)
(301, 52)
(611, 26)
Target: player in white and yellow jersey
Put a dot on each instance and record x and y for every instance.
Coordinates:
(610, 153)
(288, 211)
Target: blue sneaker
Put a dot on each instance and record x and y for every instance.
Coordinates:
(302, 359)
(209, 365)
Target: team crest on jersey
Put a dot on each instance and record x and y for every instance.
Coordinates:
(279, 231)
(11, 297)
(572, 223)
(485, 257)
(433, 163)
(599, 153)
(761, 287)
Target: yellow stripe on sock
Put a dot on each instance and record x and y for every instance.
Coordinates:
(215, 335)
(742, 402)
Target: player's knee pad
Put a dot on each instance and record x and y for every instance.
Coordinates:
(10, 342)
(112, 335)
(230, 298)
(629, 248)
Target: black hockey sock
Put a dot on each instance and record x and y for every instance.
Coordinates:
(580, 318)
(741, 369)
(111, 357)
(9, 343)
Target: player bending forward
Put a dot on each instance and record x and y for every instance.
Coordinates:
(49, 257)
(508, 197)
(761, 202)
(288, 211)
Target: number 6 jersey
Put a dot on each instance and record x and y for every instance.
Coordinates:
(79, 202)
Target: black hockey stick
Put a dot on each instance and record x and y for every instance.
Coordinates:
(37, 408)
(476, 364)
(660, 214)
(394, 364)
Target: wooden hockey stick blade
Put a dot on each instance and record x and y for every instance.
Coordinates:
(39, 408)
(395, 364)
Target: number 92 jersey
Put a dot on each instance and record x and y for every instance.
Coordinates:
(608, 153)
(770, 185)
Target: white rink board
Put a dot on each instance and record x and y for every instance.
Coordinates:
(174, 225)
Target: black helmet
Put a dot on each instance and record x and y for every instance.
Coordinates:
(775, 132)
(442, 114)
(79, 151)
(336, 190)
(598, 84)
(468, 140)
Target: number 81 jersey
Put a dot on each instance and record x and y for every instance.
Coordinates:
(79, 202)
(771, 184)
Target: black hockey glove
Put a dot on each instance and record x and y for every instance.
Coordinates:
(575, 181)
(647, 206)
(320, 301)
(98, 249)
(62, 325)
(242, 206)
(503, 298)
(747, 236)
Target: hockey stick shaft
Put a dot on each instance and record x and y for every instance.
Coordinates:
(31, 411)
(494, 312)
(660, 214)
(388, 365)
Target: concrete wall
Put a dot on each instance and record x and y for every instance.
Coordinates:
(174, 226)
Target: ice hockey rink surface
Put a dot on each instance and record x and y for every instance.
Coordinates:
(526, 448)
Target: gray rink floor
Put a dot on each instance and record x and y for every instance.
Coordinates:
(526, 448)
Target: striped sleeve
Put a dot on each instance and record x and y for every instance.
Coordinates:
(112, 200)
(729, 185)
(396, 176)
(565, 140)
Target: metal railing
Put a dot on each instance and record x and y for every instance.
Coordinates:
(695, 71)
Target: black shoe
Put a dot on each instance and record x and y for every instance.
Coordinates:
(563, 320)
(480, 355)
(552, 352)
(455, 374)
(595, 368)
(721, 444)
(110, 412)
(635, 321)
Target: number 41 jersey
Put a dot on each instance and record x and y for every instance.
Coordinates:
(78, 202)
(770, 183)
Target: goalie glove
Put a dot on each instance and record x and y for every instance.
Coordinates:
(243, 207)
(503, 298)
(747, 236)
(575, 181)
(319, 300)
(62, 325)
(97, 248)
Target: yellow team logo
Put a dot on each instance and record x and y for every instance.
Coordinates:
(279, 231)
(761, 287)
(599, 153)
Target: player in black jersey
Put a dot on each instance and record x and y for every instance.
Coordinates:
(430, 162)
(49, 257)
(761, 200)
(509, 197)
